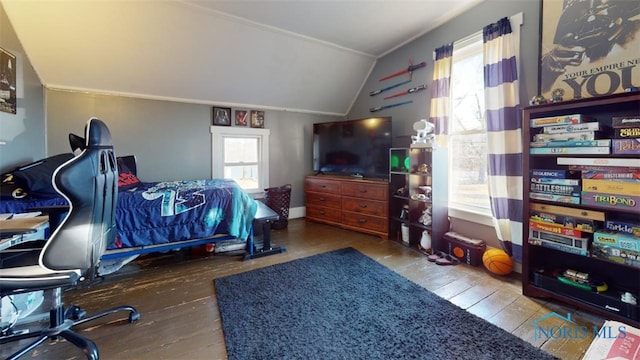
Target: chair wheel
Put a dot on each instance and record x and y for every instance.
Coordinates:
(75, 313)
(134, 316)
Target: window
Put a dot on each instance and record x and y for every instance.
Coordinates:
(468, 187)
(241, 154)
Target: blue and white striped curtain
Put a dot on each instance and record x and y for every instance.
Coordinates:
(504, 130)
(439, 110)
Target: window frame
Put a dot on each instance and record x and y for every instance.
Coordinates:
(458, 210)
(219, 133)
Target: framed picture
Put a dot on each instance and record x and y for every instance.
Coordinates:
(257, 119)
(241, 117)
(221, 116)
(7, 82)
(588, 48)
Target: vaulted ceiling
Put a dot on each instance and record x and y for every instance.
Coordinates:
(296, 55)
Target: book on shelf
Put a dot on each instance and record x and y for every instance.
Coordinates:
(584, 150)
(616, 239)
(615, 254)
(624, 121)
(611, 175)
(555, 181)
(568, 211)
(554, 228)
(555, 198)
(552, 173)
(589, 126)
(555, 189)
(567, 136)
(627, 203)
(572, 222)
(632, 132)
(611, 169)
(560, 120)
(570, 241)
(617, 187)
(623, 226)
(571, 143)
(618, 162)
(557, 246)
(625, 146)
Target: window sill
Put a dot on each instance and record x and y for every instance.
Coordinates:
(472, 216)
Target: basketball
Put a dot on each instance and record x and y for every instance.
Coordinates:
(497, 261)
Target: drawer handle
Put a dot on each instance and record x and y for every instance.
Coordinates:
(362, 221)
(584, 213)
(322, 212)
(363, 191)
(323, 186)
(363, 206)
(322, 199)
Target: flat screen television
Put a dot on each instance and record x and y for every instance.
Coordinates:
(353, 147)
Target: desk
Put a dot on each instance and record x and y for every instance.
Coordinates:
(37, 223)
(26, 303)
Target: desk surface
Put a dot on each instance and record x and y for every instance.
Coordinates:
(24, 223)
(38, 222)
(265, 213)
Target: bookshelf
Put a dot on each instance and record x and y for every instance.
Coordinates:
(567, 254)
(418, 181)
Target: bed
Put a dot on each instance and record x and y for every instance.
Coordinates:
(161, 216)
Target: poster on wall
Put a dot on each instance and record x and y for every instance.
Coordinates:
(7, 82)
(589, 48)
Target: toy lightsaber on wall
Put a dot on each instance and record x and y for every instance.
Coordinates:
(378, 108)
(407, 92)
(376, 92)
(409, 70)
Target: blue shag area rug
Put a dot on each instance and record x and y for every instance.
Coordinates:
(345, 305)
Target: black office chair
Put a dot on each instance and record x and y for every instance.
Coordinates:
(72, 253)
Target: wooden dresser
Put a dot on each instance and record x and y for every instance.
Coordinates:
(354, 204)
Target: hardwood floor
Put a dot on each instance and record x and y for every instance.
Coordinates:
(180, 320)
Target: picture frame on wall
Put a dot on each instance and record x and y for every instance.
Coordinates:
(587, 48)
(257, 119)
(221, 116)
(8, 98)
(241, 117)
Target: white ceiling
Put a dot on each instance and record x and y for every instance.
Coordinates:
(299, 55)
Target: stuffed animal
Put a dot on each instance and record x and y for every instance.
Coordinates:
(425, 218)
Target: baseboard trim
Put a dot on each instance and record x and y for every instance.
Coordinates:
(297, 212)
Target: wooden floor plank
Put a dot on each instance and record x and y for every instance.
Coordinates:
(175, 295)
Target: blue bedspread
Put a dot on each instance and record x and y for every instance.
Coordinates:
(165, 212)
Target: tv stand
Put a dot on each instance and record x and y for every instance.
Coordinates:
(350, 203)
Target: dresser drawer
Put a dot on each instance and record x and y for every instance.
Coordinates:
(363, 206)
(374, 223)
(322, 186)
(365, 190)
(320, 199)
(323, 213)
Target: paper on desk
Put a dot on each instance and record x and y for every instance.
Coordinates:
(26, 215)
(6, 216)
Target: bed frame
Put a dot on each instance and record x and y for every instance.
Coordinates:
(262, 221)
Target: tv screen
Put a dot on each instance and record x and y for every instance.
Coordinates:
(353, 147)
